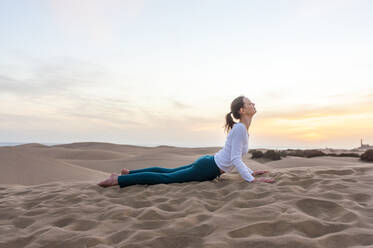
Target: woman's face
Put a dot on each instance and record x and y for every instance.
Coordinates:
(249, 106)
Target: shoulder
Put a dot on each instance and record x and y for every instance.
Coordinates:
(239, 128)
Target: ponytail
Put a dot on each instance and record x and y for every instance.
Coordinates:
(229, 122)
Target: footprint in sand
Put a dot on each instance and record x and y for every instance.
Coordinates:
(325, 210)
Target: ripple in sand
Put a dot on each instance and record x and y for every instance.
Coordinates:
(160, 200)
(335, 172)
(152, 214)
(150, 225)
(8, 213)
(325, 210)
(216, 244)
(83, 225)
(139, 204)
(331, 195)
(358, 238)
(264, 229)
(119, 236)
(17, 242)
(314, 229)
(309, 228)
(202, 217)
(175, 241)
(305, 184)
(211, 207)
(22, 222)
(201, 231)
(230, 196)
(118, 213)
(140, 235)
(167, 207)
(360, 197)
(252, 203)
(286, 241)
(210, 194)
(76, 241)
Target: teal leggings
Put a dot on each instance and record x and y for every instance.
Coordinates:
(203, 169)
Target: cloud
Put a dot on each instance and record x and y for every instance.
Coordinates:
(66, 90)
(8, 84)
(179, 105)
(52, 77)
(69, 90)
(337, 105)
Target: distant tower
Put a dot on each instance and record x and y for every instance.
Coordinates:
(361, 142)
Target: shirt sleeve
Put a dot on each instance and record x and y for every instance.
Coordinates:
(236, 154)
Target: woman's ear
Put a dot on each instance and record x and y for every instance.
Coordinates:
(242, 110)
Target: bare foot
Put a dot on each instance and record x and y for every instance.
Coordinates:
(111, 181)
(264, 180)
(125, 171)
(259, 172)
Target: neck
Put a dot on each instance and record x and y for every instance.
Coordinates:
(246, 121)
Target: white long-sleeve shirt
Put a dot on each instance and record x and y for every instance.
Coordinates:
(230, 156)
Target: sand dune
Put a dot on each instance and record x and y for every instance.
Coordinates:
(90, 160)
(27, 166)
(316, 202)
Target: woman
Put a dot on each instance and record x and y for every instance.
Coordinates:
(206, 167)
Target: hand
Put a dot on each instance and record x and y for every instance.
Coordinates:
(264, 180)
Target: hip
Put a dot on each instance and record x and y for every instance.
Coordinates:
(207, 162)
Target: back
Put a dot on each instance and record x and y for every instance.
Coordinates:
(230, 156)
(223, 157)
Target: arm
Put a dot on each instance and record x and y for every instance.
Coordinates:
(236, 153)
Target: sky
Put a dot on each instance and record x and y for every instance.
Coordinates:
(157, 72)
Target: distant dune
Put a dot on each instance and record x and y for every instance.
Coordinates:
(49, 198)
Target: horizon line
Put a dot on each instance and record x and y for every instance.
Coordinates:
(4, 144)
